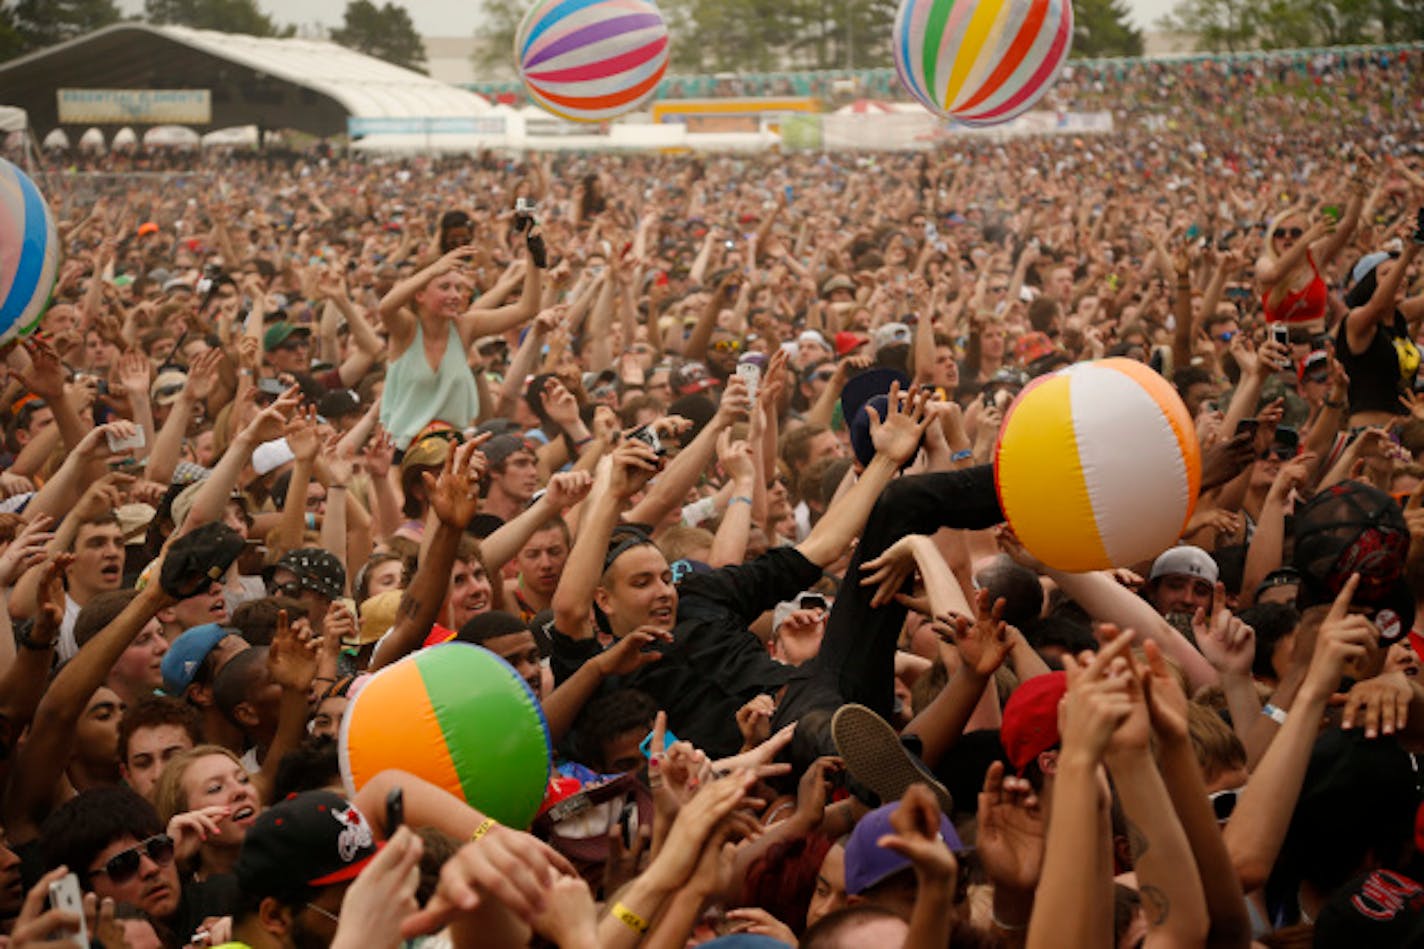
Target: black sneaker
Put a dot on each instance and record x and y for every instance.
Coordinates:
(875, 757)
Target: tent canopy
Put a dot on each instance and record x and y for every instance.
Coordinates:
(307, 85)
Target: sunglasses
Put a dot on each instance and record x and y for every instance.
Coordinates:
(292, 588)
(294, 344)
(998, 289)
(1294, 233)
(1223, 803)
(124, 865)
(727, 346)
(824, 375)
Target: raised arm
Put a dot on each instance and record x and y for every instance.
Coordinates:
(669, 489)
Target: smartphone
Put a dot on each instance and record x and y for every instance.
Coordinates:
(270, 386)
(628, 823)
(64, 895)
(669, 739)
(648, 436)
(1280, 333)
(1247, 426)
(790, 193)
(812, 601)
(395, 811)
(1332, 211)
(751, 375)
(118, 443)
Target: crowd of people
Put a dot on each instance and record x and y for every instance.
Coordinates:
(702, 446)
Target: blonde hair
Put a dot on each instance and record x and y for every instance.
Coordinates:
(1216, 745)
(169, 796)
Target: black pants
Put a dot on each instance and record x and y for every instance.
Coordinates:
(856, 662)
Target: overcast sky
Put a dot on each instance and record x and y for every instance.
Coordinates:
(458, 17)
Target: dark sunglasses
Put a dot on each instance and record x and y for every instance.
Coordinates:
(295, 343)
(1294, 233)
(1223, 803)
(824, 375)
(124, 865)
(998, 289)
(292, 588)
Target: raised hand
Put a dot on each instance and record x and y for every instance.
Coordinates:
(1166, 701)
(568, 488)
(302, 437)
(735, 457)
(292, 656)
(632, 464)
(1343, 637)
(629, 654)
(378, 903)
(135, 373)
(1011, 830)
(1226, 642)
(898, 436)
(45, 377)
(203, 374)
(984, 643)
(26, 550)
(1381, 704)
(455, 495)
(890, 570)
(49, 613)
(917, 838)
(754, 720)
(1096, 704)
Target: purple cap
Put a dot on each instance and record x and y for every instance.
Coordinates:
(867, 863)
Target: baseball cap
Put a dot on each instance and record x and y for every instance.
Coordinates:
(1317, 364)
(278, 333)
(1185, 561)
(498, 449)
(167, 386)
(199, 558)
(317, 569)
(311, 840)
(1381, 908)
(689, 378)
(848, 342)
(1030, 725)
(427, 452)
(838, 282)
(815, 338)
(134, 519)
(891, 334)
(869, 388)
(146, 228)
(867, 863)
(269, 456)
(1032, 347)
(181, 661)
(1353, 527)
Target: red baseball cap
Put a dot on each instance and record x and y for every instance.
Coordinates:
(1031, 718)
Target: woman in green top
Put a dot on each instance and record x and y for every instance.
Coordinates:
(431, 329)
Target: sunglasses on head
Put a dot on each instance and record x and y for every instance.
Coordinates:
(1294, 233)
(124, 865)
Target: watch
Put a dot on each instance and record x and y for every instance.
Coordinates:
(26, 641)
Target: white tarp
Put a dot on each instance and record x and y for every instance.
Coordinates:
(140, 106)
(13, 119)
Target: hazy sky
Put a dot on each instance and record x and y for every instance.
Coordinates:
(458, 17)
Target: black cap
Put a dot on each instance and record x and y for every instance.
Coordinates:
(318, 569)
(338, 403)
(199, 558)
(1351, 528)
(306, 842)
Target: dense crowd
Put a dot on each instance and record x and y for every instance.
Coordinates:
(702, 447)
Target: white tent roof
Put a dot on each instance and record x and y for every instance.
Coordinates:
(12, 119)
(368, 87)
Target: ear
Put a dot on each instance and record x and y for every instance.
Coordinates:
(274, 917)
(200, 695)
(166, 616)
(246, 715)
(1048, 762)
(601, 599)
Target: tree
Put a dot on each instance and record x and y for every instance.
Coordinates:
(1102, 28)
(227, 16)
(385, 32)
(40, 23)
(1228, 25)
(496, 32)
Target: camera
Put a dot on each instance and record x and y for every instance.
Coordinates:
(524, 214)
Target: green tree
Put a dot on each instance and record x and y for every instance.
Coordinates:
(227, 16)
(12, 44)
(1103, 28)
(41, 23)
(385, 32)
(1218, 25)
(498, 25)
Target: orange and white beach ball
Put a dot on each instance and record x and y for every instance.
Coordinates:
(1098, 466)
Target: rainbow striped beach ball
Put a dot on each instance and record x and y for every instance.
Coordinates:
(29, 253)
(1098, 466)
(458, 716)
(981, 62)
(591, 60)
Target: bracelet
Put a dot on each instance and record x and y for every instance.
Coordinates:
(1007, 927)
(964, 454)
(23, 638)
(1334, 405)
(334, 487)
(1274, 713)
(633, 385)
(580, 442)
(629, 918)
(483, 829)
(742, 498)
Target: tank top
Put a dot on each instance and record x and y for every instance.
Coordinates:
(415, 395)
(1384, 371)
(1305, 305)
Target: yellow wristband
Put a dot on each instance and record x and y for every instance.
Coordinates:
(630, 919)
(483, 829)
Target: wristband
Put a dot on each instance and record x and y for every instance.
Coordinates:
(483, 829)
(1334, 405)
(629, 918)
(964, 454)
(739, 498)
(1274, 713)
(26, 642)
(579, 443)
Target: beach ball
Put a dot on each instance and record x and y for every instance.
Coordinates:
(591, 60)
(1098, 466)
(981, 62)
(458, 716)
(29, 253)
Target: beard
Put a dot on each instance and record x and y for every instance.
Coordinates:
(1182, 623)
(304, 937)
